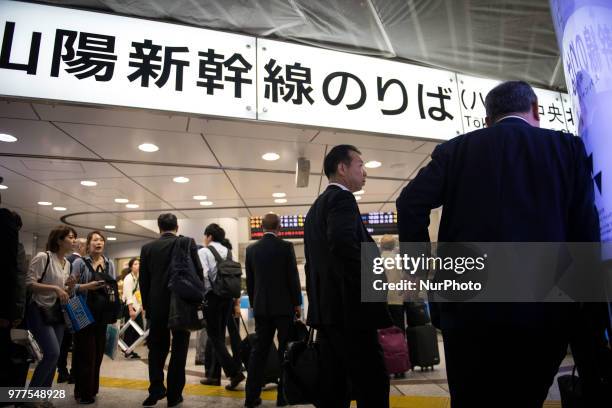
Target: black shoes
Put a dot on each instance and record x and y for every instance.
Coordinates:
(62, 377)
(175, 403)
(133, 355)
(152, 400)
(234, 381)
(254, 404)
(86, 401)
(210, 381)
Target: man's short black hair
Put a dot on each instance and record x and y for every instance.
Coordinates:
(338, 154)
(167, 222)
(509, 97)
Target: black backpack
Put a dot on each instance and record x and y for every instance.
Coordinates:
(183, 278)
(229, 272)
(104, 303)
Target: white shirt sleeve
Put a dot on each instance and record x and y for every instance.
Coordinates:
(204, 261)
(128, 288)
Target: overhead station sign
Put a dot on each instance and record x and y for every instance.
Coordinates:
(62, 54)
(79, 56)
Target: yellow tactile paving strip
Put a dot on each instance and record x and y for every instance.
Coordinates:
(397, 401)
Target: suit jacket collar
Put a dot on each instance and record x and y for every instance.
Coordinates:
(167, 235)
(513, 119)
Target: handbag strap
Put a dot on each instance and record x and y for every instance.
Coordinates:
(46, 267)
(244, 325)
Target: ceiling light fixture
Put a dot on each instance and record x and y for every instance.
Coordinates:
(132, 205)
(280, 200)
(206, 203)
(44, 203)
(7, 138)
(3, 187)
(200, 197)
(121, 200)
(59, 208)
(148, 147)
(270, 156)
(279, 195)
(111, 238)
(109, 227)
(372, 164)
(180, 179)
(88, 183)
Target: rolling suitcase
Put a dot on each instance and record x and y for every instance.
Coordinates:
(395, 350)
(272, 371)
(423, 346)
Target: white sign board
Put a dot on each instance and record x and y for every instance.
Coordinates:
(311, 86)
(71, 55)
(554, 114)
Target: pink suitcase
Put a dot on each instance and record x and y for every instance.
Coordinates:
(395, 349)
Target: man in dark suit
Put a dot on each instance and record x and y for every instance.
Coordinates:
(509, 182)
(273, 286)
(352, 362)
(153, 280)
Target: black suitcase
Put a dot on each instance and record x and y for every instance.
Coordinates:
(417, 314)
(272, 372)
(423, 346)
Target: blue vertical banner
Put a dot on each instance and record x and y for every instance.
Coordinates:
(584, 35)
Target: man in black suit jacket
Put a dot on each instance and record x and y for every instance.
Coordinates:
(153, 280)
(509, 182)
(347, 327)
(273, 286)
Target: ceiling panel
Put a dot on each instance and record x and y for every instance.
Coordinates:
(216, 186)
(427, 148)
(251, 130)
(122, 143)
(291, 210)
(257, 188)
(56, 169)
(133, 118)
(135, 170)
(212, 212)
(40, 138)
(16, 110)
(368, 141)
(394, 164)
(196, 204)
(246, 153)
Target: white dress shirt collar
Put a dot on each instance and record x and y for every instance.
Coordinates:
(339, 185)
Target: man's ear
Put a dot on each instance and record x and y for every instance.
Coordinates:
(535, 110)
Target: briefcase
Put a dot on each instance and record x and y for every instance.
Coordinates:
(272, 370)
(300, 372)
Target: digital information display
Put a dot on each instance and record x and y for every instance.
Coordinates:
(292, 226)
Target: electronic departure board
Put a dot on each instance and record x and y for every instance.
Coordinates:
(292, 226)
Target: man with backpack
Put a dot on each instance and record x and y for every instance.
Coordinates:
(155, 258)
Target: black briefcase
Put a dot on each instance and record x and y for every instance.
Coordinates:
(301, 371)
(184, 315)
(570, 389)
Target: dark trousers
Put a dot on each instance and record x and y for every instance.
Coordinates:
(211, 364)
(159, 346)
(13, 365)
(88, 352)
(397, 315)
(62, 361)
(216, 316)
(352, 365)
(518, 363)
(265, 327)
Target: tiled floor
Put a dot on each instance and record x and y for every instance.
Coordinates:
(124, 384)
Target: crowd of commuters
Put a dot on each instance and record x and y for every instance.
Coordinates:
(485, 183)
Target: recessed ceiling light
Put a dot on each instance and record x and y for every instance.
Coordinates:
(280, 200)
(180, 179)
(88, 183)
(111, 238)
(358, 198)
(3, 187)
(132, 205)
(359, 192)
(199, 197)
(372, 164)
(109, 227)
(270, 156)
(121, 200)
(279, 195)
(59, 208)
(44, 203)
(207, 203)
(148, 147)
(7, 138)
